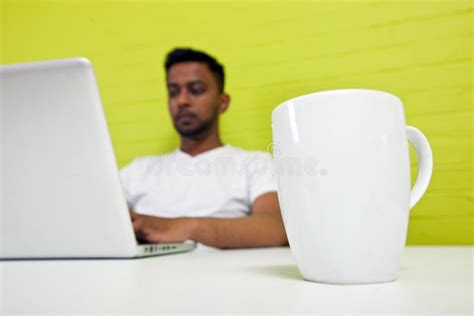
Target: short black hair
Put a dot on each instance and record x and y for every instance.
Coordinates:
(180, 55)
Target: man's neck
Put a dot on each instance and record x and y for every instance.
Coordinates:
(198, 145)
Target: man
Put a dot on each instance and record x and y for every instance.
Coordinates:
(215, 194)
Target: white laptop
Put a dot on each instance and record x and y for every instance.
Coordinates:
(61, 195)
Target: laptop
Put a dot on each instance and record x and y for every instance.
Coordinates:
(61, 195)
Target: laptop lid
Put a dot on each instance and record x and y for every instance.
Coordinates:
(61, 194)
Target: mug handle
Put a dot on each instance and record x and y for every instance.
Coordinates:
(425, 163)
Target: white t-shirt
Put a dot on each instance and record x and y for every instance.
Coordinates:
(221, 182)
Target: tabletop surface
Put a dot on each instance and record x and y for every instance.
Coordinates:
(431, 280)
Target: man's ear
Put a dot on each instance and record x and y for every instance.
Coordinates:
(224, 99)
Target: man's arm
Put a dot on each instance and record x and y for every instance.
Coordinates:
(263, 228)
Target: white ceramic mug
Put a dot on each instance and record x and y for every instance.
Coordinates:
(343, 173)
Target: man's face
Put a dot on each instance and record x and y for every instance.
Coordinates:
(194, 99)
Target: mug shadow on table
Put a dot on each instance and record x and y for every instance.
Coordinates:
(282, 271)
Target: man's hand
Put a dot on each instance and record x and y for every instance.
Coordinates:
(161, 230)
(263, 228)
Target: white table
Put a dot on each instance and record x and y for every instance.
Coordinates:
(432, 280)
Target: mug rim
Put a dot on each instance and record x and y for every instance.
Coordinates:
(334, 91)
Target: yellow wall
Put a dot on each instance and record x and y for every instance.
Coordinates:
(274, 50)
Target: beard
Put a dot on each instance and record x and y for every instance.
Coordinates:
(201, 127)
